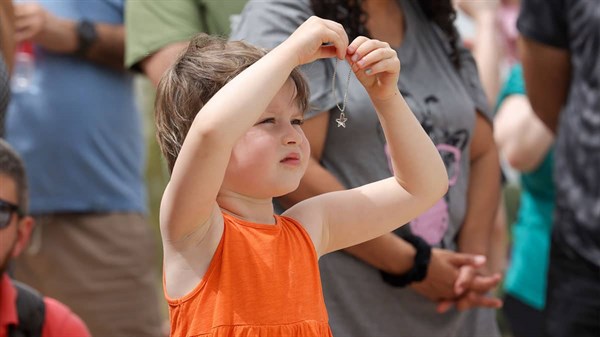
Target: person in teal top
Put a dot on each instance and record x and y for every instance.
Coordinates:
(528, 146)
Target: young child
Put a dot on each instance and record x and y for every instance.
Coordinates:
(229, 122)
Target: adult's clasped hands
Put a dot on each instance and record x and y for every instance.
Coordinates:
(458, 279)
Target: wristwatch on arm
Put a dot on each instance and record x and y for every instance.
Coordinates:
(86, 36)
(418, 272)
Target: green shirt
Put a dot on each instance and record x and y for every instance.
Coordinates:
(526, 275)
(153, 24)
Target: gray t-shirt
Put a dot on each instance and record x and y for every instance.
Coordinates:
(574, 25)
(445, 101)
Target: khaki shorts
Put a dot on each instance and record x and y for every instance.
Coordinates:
(103, 266)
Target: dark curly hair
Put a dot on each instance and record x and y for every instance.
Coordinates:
(351, 15)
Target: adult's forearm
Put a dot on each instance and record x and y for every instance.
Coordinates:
(487, 53)
(521, 136)
(547, 72)
(498, 249)
(7, 31)
(388, 252)
(483, 197)
(108, 49)
(155, 65)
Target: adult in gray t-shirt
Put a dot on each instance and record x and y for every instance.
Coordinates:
(561, 63)
(445, 101)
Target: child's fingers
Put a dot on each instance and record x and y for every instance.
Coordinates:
(485, 283)
(352, 48)
(332, 44)
(464, 279)
(339, 38)
(342, 34)
(318, 38)
(461, 259)
(328, 51)
(474, 299)
(367, 47)
(378, 60)
(390, 65)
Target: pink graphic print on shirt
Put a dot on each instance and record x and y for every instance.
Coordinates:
(433, 223)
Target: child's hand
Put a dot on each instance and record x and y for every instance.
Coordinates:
(376, 66)
(317, 38)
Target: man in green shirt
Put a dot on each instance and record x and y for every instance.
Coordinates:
(158, 30)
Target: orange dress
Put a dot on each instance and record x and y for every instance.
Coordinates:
(262, 281)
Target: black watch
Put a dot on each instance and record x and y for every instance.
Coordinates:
(86, 36)
(419, 270)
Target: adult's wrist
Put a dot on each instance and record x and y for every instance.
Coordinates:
(401, 264)
(58, 36)
(418, 271)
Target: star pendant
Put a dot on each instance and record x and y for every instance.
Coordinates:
(341, 121)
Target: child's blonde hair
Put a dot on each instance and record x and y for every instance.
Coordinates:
(207, 64)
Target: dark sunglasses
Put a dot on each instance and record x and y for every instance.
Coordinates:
(6, 211)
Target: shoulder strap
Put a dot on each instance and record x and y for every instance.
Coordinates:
(31, 310)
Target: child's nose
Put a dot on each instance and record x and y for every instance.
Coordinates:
(292, 136)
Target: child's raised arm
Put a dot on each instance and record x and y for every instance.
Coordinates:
(420, 179)
(190, 197)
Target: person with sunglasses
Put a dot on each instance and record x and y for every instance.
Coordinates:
(20, 304)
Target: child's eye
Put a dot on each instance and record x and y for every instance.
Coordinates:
(267, 120)
(298, 121)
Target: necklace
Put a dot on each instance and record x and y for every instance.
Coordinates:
(341, 121)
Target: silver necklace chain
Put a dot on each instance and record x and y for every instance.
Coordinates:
(341, 121)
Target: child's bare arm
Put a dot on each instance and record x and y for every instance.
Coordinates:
(420, 179)
(189, 199)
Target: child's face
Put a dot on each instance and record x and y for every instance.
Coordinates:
(271, 158)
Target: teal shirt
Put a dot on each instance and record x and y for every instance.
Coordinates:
(526, 275)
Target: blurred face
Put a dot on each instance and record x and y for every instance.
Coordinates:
(8, 234)
(271, 158)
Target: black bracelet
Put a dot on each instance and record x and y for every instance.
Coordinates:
(86, 36)
(419, 270)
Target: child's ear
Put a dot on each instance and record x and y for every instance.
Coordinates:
(24, 228)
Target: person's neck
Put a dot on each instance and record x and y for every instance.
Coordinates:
(385, 21)
(247, 208)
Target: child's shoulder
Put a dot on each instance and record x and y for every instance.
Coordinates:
(291, 222)
(308, 221)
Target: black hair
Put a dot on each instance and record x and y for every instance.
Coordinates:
(350, 14)
(11, 165)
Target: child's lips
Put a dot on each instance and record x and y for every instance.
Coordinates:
(291, 159)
